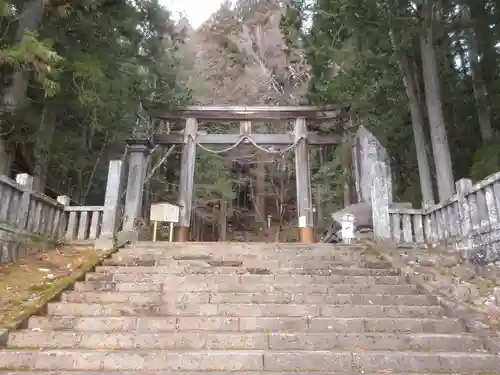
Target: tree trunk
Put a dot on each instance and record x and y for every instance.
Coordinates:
(29, 20)
(43, 145)
(260, 192)
(485, 44)
(347, 189)
(6, 157)
(347, 162)
(409, 73)
(417, 121)
(319, 196)
(146, 201)
(223, 220)
(480, 93)
(197, 229)
(442, 157)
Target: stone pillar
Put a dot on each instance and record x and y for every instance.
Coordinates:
(367, 150)
(110, 209)
(137, 160)
(25, 181)
(465, 223)
(303, 182)
(381, 195)
(61, 218)
(186, 185)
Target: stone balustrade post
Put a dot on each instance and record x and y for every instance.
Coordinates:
(138, 151)
(60, 218)
(464, 187)
(111, 204)
(381, 194)
(25, 181)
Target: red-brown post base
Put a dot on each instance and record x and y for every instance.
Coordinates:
(182, 234)
(306, 235)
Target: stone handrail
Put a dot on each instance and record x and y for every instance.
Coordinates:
(83, 222)
(407, 225)
(26, 214)
(27, 218)
(469, 219)
(99, 225)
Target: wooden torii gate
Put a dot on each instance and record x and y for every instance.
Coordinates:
(190, 138)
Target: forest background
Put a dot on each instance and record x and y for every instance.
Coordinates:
(422, 75)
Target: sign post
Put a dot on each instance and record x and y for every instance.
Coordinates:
(164, 212)
(348, 228)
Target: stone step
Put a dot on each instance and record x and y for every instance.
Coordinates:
(257, 298)
(212, 254)
(144, 287)
(244, 247)
(245, 260)
(241, 360)
(232, 341)
(282, 310)
(325, 271)
(204, 373)
(152, 324)
(118, 260)
(204, 280)
(313, 263)
(180, 269)
(207, 252)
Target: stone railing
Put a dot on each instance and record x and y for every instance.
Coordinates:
(28, 219)
(407, 225)
(469, 220)
(99, 225)
(83, 222)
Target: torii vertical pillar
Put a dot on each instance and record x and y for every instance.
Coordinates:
(303, 182)
(186, 185)
(137, 159)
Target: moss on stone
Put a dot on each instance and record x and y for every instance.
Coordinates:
(15, 289)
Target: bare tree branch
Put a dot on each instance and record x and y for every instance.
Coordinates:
(160, 163)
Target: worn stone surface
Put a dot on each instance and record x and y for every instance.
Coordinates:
(464, 272)
(192, 373)
(449, 261)
(245, 298)
(465, 292)
(367, 151)
(444, 269)
(143, 312)
(381, 198)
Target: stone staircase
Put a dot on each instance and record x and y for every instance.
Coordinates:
(252, 308)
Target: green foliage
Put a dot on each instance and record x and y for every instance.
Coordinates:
(88, 65)
(213, 180)
(328, 178)
(486, 160)
(31, 53)
(354, 50)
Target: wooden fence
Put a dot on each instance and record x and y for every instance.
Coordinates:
(470, 219)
